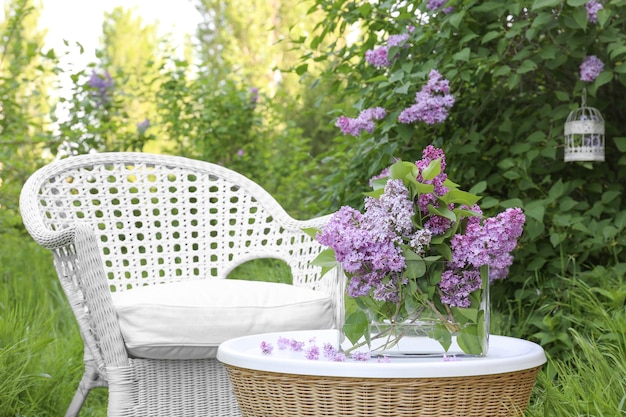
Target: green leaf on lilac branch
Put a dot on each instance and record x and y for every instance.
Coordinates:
(401, 169)
(414, 269)
(432, 170)
(375, 193)
(443, 212)
(469, 341)
(461, 197)
(311, 231)
(421, 188)
(443, 336)
(326, 259)
(443, 250)
(464, 315)
(356, 326)
(466, 213)
(379, 183)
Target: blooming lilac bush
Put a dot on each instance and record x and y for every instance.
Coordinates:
(421, 244)
(590, 68)
(593, 6)
(431, 106)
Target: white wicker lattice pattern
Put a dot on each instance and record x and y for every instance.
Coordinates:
(162, 220)
(584, 135)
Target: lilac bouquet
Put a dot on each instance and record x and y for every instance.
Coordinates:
(421, 249)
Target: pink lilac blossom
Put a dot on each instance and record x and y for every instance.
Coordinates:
(591, 67)
(593, 6)
(431, 102)
(364, 121)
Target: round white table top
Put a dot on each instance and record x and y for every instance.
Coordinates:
(506, 354)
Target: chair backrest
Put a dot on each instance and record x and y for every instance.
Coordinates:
(164, 218)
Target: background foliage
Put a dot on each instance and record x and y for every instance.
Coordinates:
(513, 68)
(514, 71)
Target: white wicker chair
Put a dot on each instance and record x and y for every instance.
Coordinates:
(119, 221)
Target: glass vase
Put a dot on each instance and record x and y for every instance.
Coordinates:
(432, 330)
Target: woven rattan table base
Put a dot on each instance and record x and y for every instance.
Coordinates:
(269, 394)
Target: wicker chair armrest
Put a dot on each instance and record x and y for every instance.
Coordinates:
(99, 320)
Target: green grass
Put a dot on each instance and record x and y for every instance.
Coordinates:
(591, 379)
(41, 351)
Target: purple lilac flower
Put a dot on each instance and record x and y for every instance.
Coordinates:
(435, 4)
(364, 250)
(420, 240)
(329, 350)
(361, 123)
(383, 359)
(456, 287)
(295, 345)
(254, 95)
(143, 126)
(240, 153)
(390, 215)
(489, 243)
(428, 155)
(437, 225)
(397, 40)
(283, 343)
(361, 356)
(450, 358)
(593, 6)
(591, 67)
(379, 57)
(266, 348)
(101, 84)
(383, 174)
(431, 102)
(339, 357)
(312, 353)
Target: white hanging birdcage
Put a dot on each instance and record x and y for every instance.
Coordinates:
(584, 134)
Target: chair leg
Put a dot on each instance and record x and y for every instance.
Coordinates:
(91, 379)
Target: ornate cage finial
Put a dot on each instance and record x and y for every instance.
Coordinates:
(584, 134)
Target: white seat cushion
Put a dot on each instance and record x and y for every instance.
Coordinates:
(189, 320)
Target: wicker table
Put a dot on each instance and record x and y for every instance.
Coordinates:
(286, 384)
